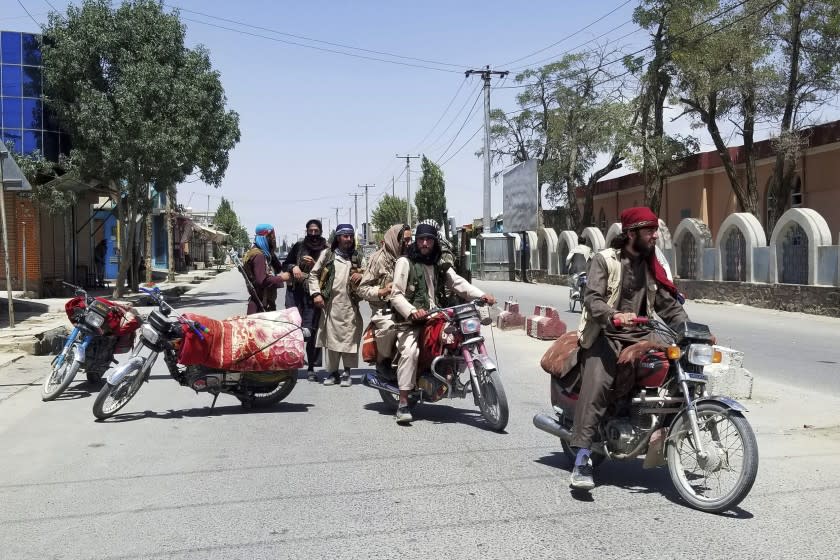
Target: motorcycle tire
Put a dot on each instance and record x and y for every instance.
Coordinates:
(60, 377)
(680, 457)
(280, 392)
(119, 394)
(493, 401)
(392, 401)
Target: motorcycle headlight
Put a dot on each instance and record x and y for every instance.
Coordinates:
(702, 355)
(149, 333)
(94, 320)
(470, 326)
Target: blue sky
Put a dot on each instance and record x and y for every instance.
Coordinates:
(316, 124)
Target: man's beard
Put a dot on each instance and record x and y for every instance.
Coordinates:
(642, 248)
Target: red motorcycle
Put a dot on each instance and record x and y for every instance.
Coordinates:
(451, 346)
(668, 416)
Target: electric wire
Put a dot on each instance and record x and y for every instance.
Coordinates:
(313, 40)
(28, 13)
(567, 37)
(469, 116)
(464, 145)
(647, 48)
(769, 6)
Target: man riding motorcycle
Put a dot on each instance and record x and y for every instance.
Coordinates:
(625, 281)
(419, 279)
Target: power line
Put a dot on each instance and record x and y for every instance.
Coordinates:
(469, 116)
(577, 47)
(305, 38)
(451, 101)
(433, 144)
(464, 145)
(567, 37)
(647, 48)
(27, 13)
(769, 6)
(50, 5)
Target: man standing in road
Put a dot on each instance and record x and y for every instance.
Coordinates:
(99, 254)
(419, 279)
(261, 266)
(299, 262)
(332, 283)
(625, 281)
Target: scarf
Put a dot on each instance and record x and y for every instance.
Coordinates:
(386, 257)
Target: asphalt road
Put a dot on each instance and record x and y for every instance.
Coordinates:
(795, 348)
(327, 473)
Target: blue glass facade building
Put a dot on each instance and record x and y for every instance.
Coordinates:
(25, 123)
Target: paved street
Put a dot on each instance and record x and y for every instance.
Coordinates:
(327, 473)
(785, 347)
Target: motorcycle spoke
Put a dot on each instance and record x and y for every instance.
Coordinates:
(715, 476)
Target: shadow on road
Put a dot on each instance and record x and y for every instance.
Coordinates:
(629, 476)
(206, 411)
(438, 414)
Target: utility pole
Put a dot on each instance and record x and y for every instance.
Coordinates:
(356, 203)
(367, 211)
(393, 187)
(408, 159)
(3, 155)
(486, 74)
(336, 208)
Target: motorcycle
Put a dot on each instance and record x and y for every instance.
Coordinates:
(460, 349)
(577, 283)
(101, 329)
(164, 333)
(668, 416)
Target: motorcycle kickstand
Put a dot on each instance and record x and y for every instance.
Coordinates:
(215, 397)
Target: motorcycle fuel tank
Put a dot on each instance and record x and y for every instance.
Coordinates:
(652, 370)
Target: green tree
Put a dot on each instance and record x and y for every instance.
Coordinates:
(227, 221)
(658, 154)
(572, 113)
(808, 35)
(390, 211)
(45, 177)
(431, 196)
(141, 108)
(717, 83)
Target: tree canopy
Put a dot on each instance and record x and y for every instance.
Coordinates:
(431, 196)
(390, 211)
(142, 109)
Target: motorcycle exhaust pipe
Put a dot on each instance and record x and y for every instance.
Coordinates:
(548, 424)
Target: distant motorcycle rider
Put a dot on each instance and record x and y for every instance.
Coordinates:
(624, 282)
(419, 279)
(263, 270)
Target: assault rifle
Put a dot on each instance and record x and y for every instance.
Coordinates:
(241, 267)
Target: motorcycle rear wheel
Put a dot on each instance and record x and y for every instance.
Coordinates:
(60, 377)
(112, 398)
(722, 430)
(280, 392)
(493, 401)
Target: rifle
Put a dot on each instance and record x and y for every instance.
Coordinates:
(241, 267)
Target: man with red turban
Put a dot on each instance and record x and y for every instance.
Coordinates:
(625, 281)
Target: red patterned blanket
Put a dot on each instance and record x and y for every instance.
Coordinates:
(269, 341)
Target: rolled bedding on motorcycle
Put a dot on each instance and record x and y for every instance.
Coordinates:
(271, 341)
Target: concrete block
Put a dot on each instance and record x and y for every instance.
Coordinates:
(510, 318)
(729, 378)
(545, 324)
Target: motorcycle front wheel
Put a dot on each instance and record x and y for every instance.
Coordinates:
(112, 398)
(61, 376)
(725, 476)
(493, 401)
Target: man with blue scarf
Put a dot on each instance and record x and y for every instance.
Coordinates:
(262, 267)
